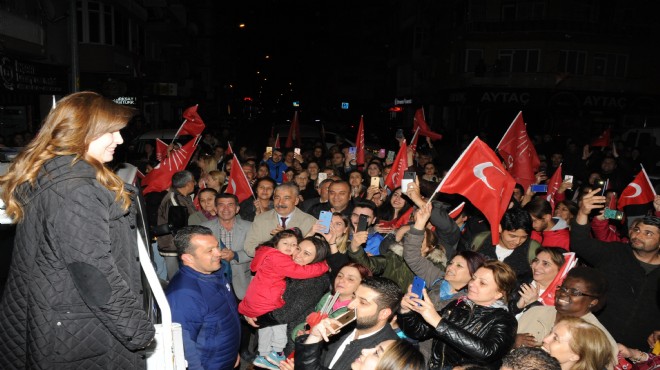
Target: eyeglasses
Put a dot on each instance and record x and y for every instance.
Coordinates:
(574, 292)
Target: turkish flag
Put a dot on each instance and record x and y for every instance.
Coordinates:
(553, 185)
(413, 142)
(479, 176)
(193, 124)
(519, 153)
(359, 143)
(161, 150)
(639, 191)
(229, 150)
(454, 213)
(160, 178)
(605, 139)
(399, 166)
(294, 132)
(400, 221)
(238, 183)
(548, 296)
(424, 128)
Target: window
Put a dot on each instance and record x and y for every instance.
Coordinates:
(612, 65)
(572, 61)
(472, 59)
(519, 60)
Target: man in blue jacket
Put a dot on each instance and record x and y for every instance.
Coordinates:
(203, 303)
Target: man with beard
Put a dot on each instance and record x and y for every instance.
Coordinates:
(632, 270)
(376, 301)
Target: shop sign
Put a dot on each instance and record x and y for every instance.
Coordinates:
(17, 75)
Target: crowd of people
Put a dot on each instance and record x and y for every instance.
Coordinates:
(263, 281)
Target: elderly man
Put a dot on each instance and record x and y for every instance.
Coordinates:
(632, 270)
(203, 303)
(230, 231)
(284, 215)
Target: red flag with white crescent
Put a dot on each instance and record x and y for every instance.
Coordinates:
(639, 191)
(519, 153)
(479, 176)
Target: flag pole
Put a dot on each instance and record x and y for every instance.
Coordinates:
(451, 169)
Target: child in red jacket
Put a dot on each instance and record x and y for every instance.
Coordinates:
(273, 263)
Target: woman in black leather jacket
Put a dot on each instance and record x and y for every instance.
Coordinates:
(473, 329)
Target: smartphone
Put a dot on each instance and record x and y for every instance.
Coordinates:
(269, 151)
(321, 177)
(539, 188)
(568, 178)
(399, 134)
(381, 153)
(345, 319)
(600, 183)
(375, 181)
(363, 223)
(325, 218)
(408, 177)
(296, 151)
(605, 186)
(351, 152)
(418, 286)
(390, 156)
(613, 214)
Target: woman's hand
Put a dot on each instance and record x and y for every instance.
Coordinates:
(316, 228)
(525, 340)
(424, 307)
(422, 216)
(414, 194)
(287, 364)
(528, 294)
(564, 186)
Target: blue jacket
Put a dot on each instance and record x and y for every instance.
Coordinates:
(276, 169)
(206, 308)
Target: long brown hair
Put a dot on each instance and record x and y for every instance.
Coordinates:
(76, 121)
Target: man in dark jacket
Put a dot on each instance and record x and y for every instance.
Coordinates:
(632, 311)
(376, 301)
(203, 303)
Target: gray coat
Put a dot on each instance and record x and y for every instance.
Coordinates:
(240, 270)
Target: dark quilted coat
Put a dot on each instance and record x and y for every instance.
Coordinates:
(73, 297)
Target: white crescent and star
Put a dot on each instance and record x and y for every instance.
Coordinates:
(638, 190)
(479, 172)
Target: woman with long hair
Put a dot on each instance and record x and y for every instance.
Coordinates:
(545, 267)
(73, 296)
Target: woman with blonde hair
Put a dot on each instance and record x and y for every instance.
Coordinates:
(73, 295)
(216, 180)
(578, 345)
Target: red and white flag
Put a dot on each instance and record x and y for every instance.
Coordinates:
(548, 296)
(639, 191)
(454, 213)
(161, 150)
(160, 178)
(424, 129)
(229, 150)
(605, 139)
(277, 144)
(479, 176)
(359, 143)
(238, 183)
(193, 124)
(519, 153)
(294, 132)
(399, 166)
(553, 185)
